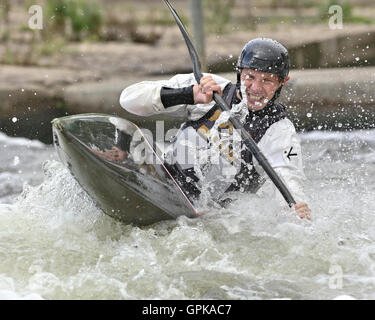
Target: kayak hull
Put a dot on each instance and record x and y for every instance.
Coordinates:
(125, 189)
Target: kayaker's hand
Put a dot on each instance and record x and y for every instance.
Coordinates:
(303, 210)
(204, 91)
(115, 154)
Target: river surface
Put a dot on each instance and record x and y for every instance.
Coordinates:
(55, 244)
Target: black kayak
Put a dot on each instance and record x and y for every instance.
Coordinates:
(115, 162)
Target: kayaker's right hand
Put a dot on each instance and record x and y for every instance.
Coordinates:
(204, 91)
(303, 210)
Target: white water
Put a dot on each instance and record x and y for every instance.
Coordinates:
(54, 243)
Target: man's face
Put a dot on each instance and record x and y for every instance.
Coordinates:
(260, 87)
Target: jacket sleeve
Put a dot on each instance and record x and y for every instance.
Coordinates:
(282, 148)
(144, 98)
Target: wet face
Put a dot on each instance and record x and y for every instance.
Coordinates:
(260, 87)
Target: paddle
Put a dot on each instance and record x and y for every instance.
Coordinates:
(248, 141)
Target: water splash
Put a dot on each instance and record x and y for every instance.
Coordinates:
(55, 243)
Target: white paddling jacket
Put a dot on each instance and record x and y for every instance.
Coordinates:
(278, 141)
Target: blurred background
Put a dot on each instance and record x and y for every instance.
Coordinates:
(86, 52)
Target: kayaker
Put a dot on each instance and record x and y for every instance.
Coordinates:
(262, 71)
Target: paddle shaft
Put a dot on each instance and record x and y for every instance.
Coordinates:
(247, 139)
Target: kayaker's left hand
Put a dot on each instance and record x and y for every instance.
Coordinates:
(303, 210)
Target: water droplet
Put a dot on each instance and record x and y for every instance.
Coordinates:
(16, 160)
(14, 119)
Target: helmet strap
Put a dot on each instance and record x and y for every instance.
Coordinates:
(238, 75)
(275, 96)
(238, 84)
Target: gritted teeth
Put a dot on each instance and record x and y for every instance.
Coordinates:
(254, 97)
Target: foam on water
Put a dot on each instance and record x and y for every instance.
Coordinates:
(24, 142)
(20, 161)
(362, 135)
(55, 244)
